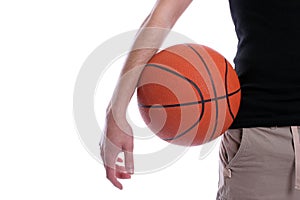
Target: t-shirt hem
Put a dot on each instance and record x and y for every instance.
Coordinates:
(265, 123)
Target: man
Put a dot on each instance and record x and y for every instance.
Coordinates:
(260, 153)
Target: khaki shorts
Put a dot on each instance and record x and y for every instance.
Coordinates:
(260, 164)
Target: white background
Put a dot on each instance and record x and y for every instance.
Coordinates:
(42, 47)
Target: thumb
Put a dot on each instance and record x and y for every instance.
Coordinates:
(129, 162)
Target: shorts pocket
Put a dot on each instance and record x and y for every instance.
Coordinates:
(235, 144)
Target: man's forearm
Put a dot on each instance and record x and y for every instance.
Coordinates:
(148, 40)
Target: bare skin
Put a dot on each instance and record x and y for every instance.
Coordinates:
(118, 136)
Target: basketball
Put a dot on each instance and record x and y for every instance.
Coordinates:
(188, 94)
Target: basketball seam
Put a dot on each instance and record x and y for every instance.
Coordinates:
(198, 91)
(190, 103)
(226, 85)
(214, 89)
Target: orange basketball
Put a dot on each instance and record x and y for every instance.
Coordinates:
(188, 94)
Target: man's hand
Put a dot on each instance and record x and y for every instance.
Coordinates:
(117, 138)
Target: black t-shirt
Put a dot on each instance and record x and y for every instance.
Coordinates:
(268, 61)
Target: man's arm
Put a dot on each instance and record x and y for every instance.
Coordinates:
(118, 133)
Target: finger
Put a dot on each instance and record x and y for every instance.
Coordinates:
(119, 159)
(129, 163)
(123, 175)
(111, 176)
(109, 154)
(121, 172)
